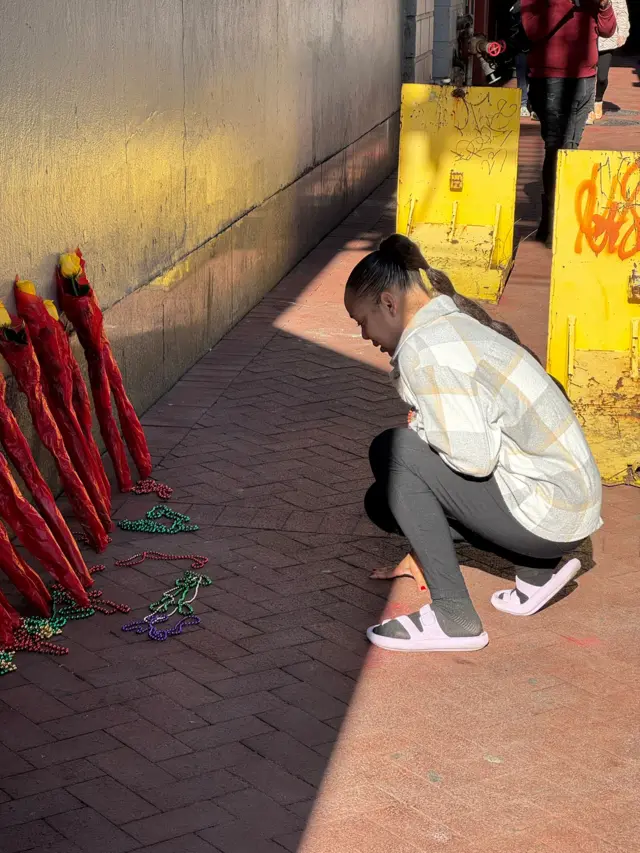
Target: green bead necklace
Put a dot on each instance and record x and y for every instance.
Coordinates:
(175, 599)
(150, 523)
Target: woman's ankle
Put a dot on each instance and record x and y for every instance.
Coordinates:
(457, 617)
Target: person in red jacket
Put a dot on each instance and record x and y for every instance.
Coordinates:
(563, 61)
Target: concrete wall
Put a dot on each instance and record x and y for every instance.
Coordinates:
(195, 149)
(445, 38)
(418, 41)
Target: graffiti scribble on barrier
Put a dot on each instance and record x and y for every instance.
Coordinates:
(483, 128)
(616, 228)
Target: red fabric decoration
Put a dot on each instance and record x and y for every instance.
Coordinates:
(9, 619)
(17, 349)
(78, 301)
(22, 576)
(55, 356)
(34, 534)
(18, 450)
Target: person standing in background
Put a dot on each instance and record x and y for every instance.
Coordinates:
(606, 47)
(563, 60)
(523, 83)
(521, 65)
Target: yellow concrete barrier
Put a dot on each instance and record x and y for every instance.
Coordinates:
(457, 181)
(594, 314)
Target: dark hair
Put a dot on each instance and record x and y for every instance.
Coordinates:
(397, 263)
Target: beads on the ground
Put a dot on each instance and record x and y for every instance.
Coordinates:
(198, 562)
(6, 662)
(34, 632)
(151, 486)
(150, 524)
(148, 626)
(176, 597)
(172, 601)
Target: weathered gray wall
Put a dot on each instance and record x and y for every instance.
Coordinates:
(417, 64)
(195, 149)
(445, 35)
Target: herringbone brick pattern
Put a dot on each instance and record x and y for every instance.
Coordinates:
(272, 726)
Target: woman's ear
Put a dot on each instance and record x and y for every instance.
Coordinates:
(389, 302)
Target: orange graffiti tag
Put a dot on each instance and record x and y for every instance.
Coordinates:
(617, 228)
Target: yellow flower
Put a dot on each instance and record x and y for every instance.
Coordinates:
(26, 286)
(70, 265)
(51, 309)
(5, 319)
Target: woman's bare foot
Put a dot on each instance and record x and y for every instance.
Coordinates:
(406, 568)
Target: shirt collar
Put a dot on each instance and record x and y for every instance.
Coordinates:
(432, 311)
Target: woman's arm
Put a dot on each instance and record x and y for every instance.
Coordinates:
(622, 17)
(453, 417)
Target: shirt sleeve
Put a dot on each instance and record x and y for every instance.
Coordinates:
(622, 18)
(453, 417)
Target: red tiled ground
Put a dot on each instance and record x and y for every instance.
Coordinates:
(273, 727)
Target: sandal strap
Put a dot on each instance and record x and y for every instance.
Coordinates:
(410, 627)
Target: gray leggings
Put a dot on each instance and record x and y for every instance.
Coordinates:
(417, 494)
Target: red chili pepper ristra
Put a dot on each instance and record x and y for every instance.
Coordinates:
(79, 303)
(31, 530)
(52, 348)
(22, 576)
(17, 350)
(17, 449)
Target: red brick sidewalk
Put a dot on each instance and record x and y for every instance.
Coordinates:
(273, 727)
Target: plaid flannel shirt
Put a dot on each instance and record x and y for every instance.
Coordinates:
(489, 409)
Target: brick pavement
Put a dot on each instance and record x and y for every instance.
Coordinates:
(273, 727)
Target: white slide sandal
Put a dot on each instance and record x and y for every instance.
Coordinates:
(525, 599)
(420, 632)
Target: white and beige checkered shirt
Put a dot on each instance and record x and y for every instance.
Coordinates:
(488, 408)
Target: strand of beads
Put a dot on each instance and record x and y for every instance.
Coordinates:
(151, 486)
(24, 641)
(198, 562)
(34, 632)
(150, 523)
(6, 661)
(174, 600)
(148, 626)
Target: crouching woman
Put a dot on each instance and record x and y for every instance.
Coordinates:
(494, 454)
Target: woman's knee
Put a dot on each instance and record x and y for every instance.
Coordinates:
(392, 446)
